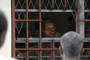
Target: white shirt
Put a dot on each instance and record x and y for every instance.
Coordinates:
(6, 58)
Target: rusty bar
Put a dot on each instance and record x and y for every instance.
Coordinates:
(52, 49)
(40, 17)
(40, 29)
(53, 2)
(78, 15)
(64, 4)
(13, 28)
(28, 49)
(27, 35)
(85, 20)
(27, 20)
(21, 48)
(86, 48)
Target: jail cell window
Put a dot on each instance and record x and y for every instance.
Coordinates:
(62, 18)
(61, 23)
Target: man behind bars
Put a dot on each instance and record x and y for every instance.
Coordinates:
(71, 45)
(3, 29)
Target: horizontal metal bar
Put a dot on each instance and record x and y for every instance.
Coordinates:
(37, 49)
(48, 10)
(30, 20)
(46, 56)
(43, 10)
(34, 49)
(45, 40)
(86, 10)
(85, 20)
(35, 40)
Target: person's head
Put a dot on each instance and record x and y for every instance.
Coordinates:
(71, 45)
(3, 28)
(48, 28)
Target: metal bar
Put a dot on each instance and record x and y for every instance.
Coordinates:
(65, 4)
(31, 20)
(44, 10)
(40, 29)
(85, 20)
(78, 15)
(52, 52)
(45, 49)
(27, 35)
(21, 49)
(37, 57)
(86, 10)
(76, 19)
(49, 56)
(28, 49)
(52, 49)
(45, 40)
(48, 10)
(28, 57)
(82, 16)
(86, 48)
(13, 29)
(53, 2)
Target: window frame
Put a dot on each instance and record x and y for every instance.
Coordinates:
(79, 25)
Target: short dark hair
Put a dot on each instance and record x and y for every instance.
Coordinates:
(3, 27)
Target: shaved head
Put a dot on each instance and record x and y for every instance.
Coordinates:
(71, 44)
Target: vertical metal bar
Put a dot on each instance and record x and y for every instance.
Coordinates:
(13, 29)
(27, 35)
(53, 51)
(40, 31)
(78, 15)
(53, 2)
(64, 4)
(82, 18)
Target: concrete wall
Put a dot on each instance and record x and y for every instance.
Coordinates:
(5, 6)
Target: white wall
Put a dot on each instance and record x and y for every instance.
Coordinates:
(5, 6)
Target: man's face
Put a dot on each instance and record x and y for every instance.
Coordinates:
(50, 29)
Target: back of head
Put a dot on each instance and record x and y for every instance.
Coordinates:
(71, 44)
(3, 27)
